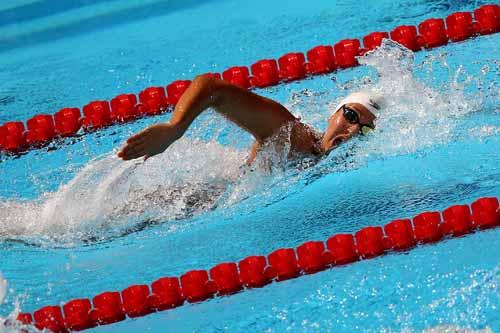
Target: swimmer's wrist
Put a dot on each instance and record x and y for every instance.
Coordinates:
(179, 126)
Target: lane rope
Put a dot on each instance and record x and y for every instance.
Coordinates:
(282, 264)
(258, 271)
(42, 129)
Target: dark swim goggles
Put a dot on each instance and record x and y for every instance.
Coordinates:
(352, 117)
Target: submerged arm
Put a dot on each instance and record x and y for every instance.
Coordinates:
(260, 116)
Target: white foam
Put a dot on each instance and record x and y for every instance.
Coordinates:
(485, 131)
(455, 329)
(416, 115)
(3, 288)
(109, 195)
(9, 324)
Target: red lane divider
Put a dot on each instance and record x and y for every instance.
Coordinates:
(311, 257)
(123, 108)
(399, 235)
(67, 121)
(50, 318)
(136, 301)
(13, 137)
(265, 73)
(154, 100)
(40, 129)
(370, 242)
(426, 227)
(406, 35)
(107, 309)
(239, 76)
(342, 249)
(292, 66)
(257, 271)
(76, 314)
(346, 52)
(321, 60)
(226, 278)
(175, 90)
(252, 271)
(459, 26)
(96, 115)
(434, 32)
(282, 265)
(166, 294)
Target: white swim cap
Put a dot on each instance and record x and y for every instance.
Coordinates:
(372, 101)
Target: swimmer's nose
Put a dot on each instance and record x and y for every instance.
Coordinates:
(338, 141)
(338, 131)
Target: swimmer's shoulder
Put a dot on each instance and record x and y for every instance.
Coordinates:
(304, 139)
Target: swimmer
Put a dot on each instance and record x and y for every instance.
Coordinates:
(260, 116)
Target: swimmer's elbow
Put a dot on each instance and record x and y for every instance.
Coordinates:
(209, 85)
(202, 81)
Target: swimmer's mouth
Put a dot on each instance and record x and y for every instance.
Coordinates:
(331, 145)
(336, 142)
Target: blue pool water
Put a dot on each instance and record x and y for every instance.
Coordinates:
(76, 221)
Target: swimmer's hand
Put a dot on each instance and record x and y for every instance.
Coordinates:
(151, 141)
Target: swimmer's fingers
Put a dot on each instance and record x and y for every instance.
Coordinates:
(131, 151)
(122, 152)
(139, 137)
(126, 153)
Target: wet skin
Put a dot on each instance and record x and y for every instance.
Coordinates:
(260, 116)
(340, 130)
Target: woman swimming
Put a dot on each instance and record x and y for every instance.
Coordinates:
(260, 116)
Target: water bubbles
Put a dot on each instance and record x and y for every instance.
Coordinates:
(109, 196)
(391, 60)
(455, 329)
(416, 115)
(3, 288)
(8, 324)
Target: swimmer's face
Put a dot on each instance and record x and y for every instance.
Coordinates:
(341, 129)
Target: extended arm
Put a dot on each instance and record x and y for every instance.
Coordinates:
(258, 115)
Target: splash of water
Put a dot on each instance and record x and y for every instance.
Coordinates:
(416, 116)
(455, 329)
(3, 288)
(9, 324)
(109, 197)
